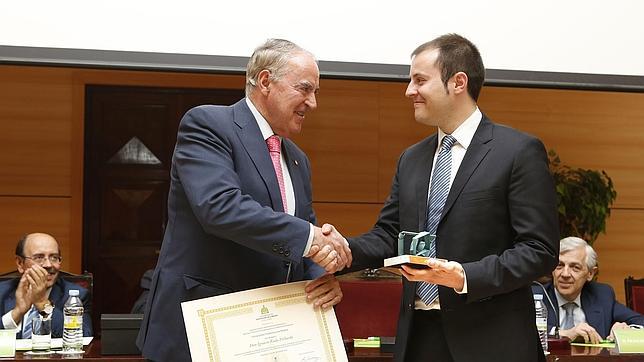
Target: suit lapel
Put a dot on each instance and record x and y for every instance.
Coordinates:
(422, 171)
(253, 141)
(58, 297)
(593, 312)
(473, 156)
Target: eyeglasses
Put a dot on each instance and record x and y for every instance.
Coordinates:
(40, 259)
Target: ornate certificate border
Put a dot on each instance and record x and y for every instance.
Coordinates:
(279, 296)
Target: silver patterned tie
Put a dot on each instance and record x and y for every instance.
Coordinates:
(569, 318)
(437, 195)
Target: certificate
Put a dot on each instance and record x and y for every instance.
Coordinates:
(266, 324)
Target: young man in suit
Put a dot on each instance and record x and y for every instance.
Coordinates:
(39, 290)
(486, 193)
(240, 210)
(587, 310)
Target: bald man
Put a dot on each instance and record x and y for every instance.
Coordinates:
(39, 290)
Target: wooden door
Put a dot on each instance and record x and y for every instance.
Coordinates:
(130, 134)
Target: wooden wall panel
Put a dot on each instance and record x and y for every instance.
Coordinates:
(349, 219)
(22, 215)
(341, 140)
(353, 139)
(35, 131)
(398, 130)
(621, 250)
(597, 130)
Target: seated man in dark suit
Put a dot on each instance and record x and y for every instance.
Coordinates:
(588, 310)
(39, 289)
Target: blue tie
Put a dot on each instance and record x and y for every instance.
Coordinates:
(26, 330)
(437, 195)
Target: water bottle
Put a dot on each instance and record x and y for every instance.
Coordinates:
(73, 323)
(541, 314)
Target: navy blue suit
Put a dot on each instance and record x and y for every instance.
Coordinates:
(226, 228)
(599, 305)
(58, 296)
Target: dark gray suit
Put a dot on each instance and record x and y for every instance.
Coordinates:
(499, 222)
(226, 230)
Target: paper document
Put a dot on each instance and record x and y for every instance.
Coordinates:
(267, 324)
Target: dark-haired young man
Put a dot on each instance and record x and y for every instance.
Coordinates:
(485, 191)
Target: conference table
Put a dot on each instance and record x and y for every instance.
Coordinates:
(576, 354)
(92, 353)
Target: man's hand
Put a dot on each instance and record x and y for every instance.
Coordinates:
(440, 272)
(617, 325)
(324, 291)
(330, 249)
(582, 331)
(32, 289)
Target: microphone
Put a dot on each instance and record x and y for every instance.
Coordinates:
(556, 342)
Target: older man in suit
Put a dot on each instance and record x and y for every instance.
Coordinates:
(587, 310)
(40, 289)
(240, 210)
(486, 193)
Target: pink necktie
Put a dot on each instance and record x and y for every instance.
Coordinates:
(274, 147)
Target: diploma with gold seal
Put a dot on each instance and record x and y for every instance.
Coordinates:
(266, 324)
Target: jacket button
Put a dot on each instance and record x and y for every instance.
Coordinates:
(287, 253)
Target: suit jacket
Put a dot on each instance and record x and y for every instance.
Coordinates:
(58, 296)
(599, 305)
(226, 231)
(499, 221)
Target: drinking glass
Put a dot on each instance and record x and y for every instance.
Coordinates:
(41, 334)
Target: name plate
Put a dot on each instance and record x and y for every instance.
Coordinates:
(267, 324)
(629, 340)
(7, 342)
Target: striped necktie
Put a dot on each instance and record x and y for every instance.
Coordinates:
(437, 195)
(26, 329)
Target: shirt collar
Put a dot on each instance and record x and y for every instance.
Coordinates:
(561, 300)
(465, 132)
(264, 127)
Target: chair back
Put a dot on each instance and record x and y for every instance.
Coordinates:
(634, 289)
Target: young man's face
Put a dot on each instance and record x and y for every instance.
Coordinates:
(432, 100)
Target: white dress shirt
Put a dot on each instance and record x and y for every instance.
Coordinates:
(463, 135)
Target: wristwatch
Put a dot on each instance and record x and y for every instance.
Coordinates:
(47, 309)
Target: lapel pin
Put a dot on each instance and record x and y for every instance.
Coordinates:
(296, 163)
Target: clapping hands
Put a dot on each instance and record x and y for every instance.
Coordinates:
(330, 249)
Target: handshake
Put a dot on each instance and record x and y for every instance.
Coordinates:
(330, 249)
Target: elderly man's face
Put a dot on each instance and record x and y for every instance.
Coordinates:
(41, 249)
(290, 97)
(572, 273)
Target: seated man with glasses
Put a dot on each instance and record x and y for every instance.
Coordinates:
(38, 290)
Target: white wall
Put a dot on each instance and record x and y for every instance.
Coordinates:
(577, 36)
